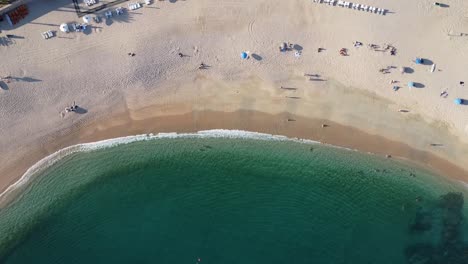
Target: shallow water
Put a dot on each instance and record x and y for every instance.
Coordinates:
(178, 200)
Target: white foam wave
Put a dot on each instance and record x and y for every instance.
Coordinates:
(85, 147)
(465, 184)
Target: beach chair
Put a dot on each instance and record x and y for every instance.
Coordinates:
(332, 2)
(78, 27)
(47, 35)
(347, 4)
(363, 8)
(341, 3)
(371, 9)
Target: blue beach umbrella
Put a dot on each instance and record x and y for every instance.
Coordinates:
(244, 55)
(418, 61)
(458, 101)
(411, 84)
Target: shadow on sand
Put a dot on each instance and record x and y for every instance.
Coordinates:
(80, 110)
(257, 57)
(408, 70)
(4, 85)
(427, 62)
(25, 79)
(298, 47)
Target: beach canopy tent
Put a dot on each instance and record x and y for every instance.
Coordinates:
(244, 55)
(418, 61)
(458, 101)
(87, 19)
(411, 84)
(64, 28)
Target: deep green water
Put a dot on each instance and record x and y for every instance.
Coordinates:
(234, 201)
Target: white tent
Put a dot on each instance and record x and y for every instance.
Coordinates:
(64, 28)
(87, 19)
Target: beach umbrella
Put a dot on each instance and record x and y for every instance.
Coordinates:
(283, 46)
(87, 19)
(244, 55)
(458, 101)
(64, 28)
(411, 84)
(418, 61)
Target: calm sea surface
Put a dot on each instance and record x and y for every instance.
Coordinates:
(194, 200)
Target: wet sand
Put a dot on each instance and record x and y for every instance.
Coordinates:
(290, 125)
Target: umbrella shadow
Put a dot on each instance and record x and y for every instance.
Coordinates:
(298, 47)
(88, 30)
(126, 17)
(4, 85)
(418, 85)
(109, 21)
(408, 70)
(80, 110)
(427, 62)
(257, 57)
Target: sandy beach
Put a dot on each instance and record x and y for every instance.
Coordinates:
(273, 92)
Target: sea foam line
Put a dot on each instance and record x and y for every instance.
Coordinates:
(86, 147)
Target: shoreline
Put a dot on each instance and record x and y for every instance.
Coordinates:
(301, 129)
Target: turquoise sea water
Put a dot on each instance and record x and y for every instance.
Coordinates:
(194, 200)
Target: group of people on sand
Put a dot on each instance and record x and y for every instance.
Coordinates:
(6, 79)
(72, 108)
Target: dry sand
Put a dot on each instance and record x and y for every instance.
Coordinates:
(156, 90)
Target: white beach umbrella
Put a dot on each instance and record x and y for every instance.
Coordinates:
(64, 28)
(87, 19)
